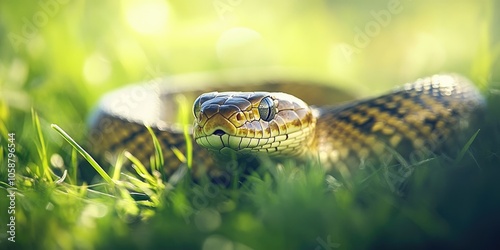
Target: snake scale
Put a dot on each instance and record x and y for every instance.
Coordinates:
(428, 116)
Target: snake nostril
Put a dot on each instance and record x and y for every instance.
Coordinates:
(219, 132)
(240, 117)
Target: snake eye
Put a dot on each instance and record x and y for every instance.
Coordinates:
(266, 108)
(196, 107)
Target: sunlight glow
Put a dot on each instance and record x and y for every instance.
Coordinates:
(148, 16)
(241, 46)
(96, 69)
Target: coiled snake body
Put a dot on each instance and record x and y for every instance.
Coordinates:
(416, 120)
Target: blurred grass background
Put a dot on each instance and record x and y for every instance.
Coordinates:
(59, 57)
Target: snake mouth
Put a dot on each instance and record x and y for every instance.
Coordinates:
(290, 144)
(219, 132)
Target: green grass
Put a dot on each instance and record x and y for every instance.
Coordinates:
(450, 204)
(45, 99)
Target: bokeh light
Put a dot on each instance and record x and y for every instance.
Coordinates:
(96, 69)
(241, 46)
(147, 17)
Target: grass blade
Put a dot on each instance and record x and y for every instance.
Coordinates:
(158, 157)
(137, 165)
(466, 147)
(118, 167)
(84, 153)
(184, 120)
(74, 166)
(42, 150)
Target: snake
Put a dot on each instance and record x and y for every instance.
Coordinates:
(342, 134)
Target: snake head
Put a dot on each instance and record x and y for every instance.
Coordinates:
(276, 124)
